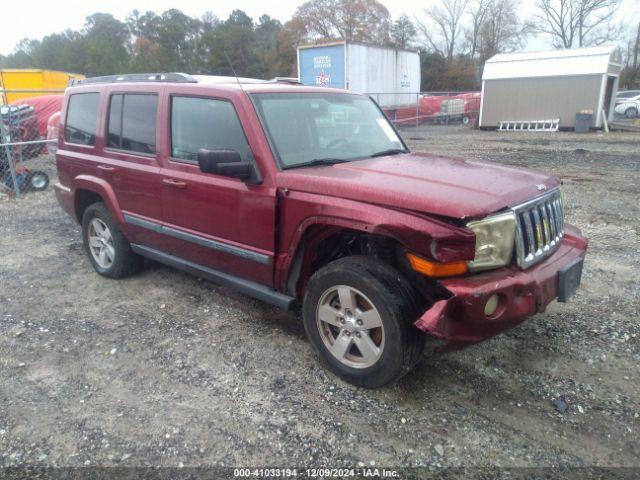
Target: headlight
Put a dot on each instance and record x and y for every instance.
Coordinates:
(495, 237)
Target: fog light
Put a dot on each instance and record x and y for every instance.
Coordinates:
(491, 306)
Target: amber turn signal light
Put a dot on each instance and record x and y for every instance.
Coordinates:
(435, 269)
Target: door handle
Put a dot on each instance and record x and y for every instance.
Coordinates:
(172, 182)
(106, 168)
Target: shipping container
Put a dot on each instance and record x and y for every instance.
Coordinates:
(391, 76)
(22, 83)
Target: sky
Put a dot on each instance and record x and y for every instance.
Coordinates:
(18, 22)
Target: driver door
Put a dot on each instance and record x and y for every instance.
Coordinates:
(216, 221)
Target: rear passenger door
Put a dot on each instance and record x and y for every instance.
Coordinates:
(221, 222)
(130, 162)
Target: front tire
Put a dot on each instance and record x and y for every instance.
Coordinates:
(107, 248)
(358, 314)
(631, 112)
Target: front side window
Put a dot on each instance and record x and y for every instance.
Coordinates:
(310, 127)
(132, 122)
(204, 123)
(82, 118)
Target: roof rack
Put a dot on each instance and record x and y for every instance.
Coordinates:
(136, 77)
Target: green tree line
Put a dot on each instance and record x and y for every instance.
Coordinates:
(171, 41)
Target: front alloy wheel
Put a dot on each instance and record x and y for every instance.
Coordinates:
(350, 326)
(358, 313)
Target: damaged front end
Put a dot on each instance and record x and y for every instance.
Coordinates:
(485, 304)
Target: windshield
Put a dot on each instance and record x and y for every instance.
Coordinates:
(628, 94)
(314, 128)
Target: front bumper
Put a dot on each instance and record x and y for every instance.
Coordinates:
(460, 319)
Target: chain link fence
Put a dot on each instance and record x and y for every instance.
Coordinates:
(28, 138)
(430, 108)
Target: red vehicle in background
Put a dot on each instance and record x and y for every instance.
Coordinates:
(53, 129)
(43, 108)
(462, 107)
(459, 108)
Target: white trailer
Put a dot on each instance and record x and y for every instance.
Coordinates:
(391, 76)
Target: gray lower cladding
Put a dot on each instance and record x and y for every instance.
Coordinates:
(197, 239)
(253, 289)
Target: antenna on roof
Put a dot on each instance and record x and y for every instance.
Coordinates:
(233, 70)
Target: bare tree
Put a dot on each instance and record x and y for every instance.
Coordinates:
(577, 23)
(446, 20)
(357, 20)
(501, 30)
(478, 13)
(636, 51)
(630, 75)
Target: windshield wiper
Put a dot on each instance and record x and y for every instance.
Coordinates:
(320, 161)
(391, 151)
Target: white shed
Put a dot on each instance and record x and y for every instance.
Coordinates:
(534, 86)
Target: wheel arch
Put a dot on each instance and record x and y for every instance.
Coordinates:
(89, 190)
(323, 242)
(307, 220)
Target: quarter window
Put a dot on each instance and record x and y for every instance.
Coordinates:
(82, 118)
(132, 122)
(198, 123)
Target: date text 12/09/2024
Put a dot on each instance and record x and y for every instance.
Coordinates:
(363, 472)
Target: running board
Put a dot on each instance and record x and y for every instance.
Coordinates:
(253, 289)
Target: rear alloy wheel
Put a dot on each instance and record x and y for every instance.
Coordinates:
(101, 243)
(631, 112)
(108, 250)
(358, 314)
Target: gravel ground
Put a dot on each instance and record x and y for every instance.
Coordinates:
(166, 369)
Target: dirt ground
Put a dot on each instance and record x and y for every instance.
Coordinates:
(166, 369)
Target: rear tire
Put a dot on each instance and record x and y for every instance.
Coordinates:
(631, 112)
(37, 181)
(358, 315)
(107, 248)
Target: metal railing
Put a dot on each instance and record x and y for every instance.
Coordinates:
(430, 108)
(28, 136)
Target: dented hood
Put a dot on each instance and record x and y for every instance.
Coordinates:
(449, 187)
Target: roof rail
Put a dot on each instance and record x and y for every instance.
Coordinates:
(289, 80)
(136, 77)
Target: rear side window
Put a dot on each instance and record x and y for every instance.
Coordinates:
(204, 123)
(132, 122)
(82, 118)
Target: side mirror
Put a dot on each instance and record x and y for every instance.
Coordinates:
(227, 163)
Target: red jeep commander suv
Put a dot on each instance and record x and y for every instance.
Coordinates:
(308, 196)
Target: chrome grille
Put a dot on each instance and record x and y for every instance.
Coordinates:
(539, 228)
